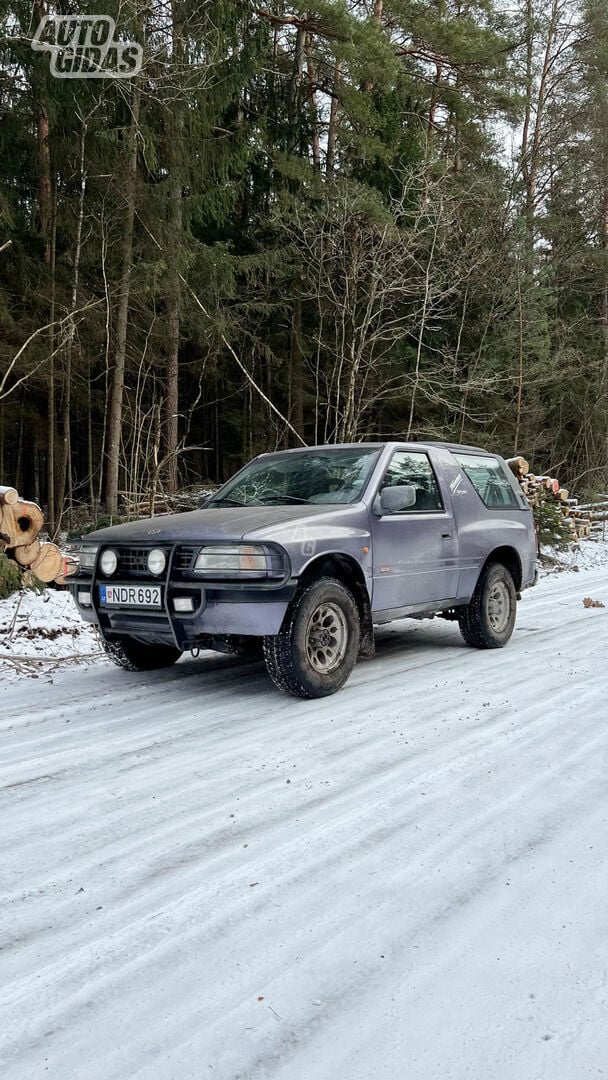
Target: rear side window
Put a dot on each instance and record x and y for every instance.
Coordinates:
(490, 483)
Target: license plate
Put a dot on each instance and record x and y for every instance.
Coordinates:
(130, 596)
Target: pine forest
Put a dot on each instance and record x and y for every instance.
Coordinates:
(301, 223)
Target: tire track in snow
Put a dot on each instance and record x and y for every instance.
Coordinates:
(349, 857)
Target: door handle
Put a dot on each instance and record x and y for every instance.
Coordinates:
(446, 536)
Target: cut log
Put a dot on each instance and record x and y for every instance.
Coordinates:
(548, 482)
(594, 506)
(8, 496)
(48, 564)
(69, 566)
(28, 521)
(26, 554)
(7, 527)
(518, 465)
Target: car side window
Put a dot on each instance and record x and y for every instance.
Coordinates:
(489, 481)
(413, 467)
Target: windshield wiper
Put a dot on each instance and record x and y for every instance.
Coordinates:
(227, 502)
(283, 498)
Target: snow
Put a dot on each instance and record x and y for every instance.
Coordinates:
(586, 555)
(38, 626)
(203, 877)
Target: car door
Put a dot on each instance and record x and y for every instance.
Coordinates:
(415, 551)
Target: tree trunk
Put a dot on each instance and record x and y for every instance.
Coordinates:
(432, 116)
(90, 462)
(122, 313)
(332, 131)
(533, 129)
(604, 299)
(47, 225)
(296, 371)
(520, 365)
(294, 93)
(51, 478)
(19, 462)
(44, 154)
(36, 464)
(314, 113)
(377, 17)
(65, 482)
(175, 222)
(173, 327)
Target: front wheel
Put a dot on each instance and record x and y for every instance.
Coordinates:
(316, 648)
(136, 656)
(488, 620)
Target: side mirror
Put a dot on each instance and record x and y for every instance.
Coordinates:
(204, 499)
(394, 499)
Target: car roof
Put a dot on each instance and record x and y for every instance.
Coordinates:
(461, 446)
(414, 445)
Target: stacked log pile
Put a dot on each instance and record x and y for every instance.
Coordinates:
(20, 526)
(598, 513)
(584, 521)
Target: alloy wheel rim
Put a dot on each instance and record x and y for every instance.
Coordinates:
(326, 638)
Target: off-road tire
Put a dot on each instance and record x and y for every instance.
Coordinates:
(136, 656)
(478, 626)
(287, 653)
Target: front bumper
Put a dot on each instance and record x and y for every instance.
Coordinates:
(255, 608)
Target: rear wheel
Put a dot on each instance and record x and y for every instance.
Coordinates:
(487, 622)
(316, 648)
(136, 656)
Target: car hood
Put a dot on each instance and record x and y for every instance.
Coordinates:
(229, 523)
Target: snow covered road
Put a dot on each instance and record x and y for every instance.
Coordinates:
(201, 877)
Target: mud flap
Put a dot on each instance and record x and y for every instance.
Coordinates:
(367, 640)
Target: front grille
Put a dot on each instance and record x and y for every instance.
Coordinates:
(184, 557)
(133, 562)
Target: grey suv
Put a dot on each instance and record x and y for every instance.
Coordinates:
(302, 552)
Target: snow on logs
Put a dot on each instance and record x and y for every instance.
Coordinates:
(8, 496)
(20, 524)
(583, 521)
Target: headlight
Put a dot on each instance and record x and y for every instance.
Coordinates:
(87, 555)
(247, 560)
(157, 560)
(108, 562)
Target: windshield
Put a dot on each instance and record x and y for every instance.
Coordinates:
(314, 476)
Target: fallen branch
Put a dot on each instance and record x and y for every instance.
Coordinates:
(73, 657)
